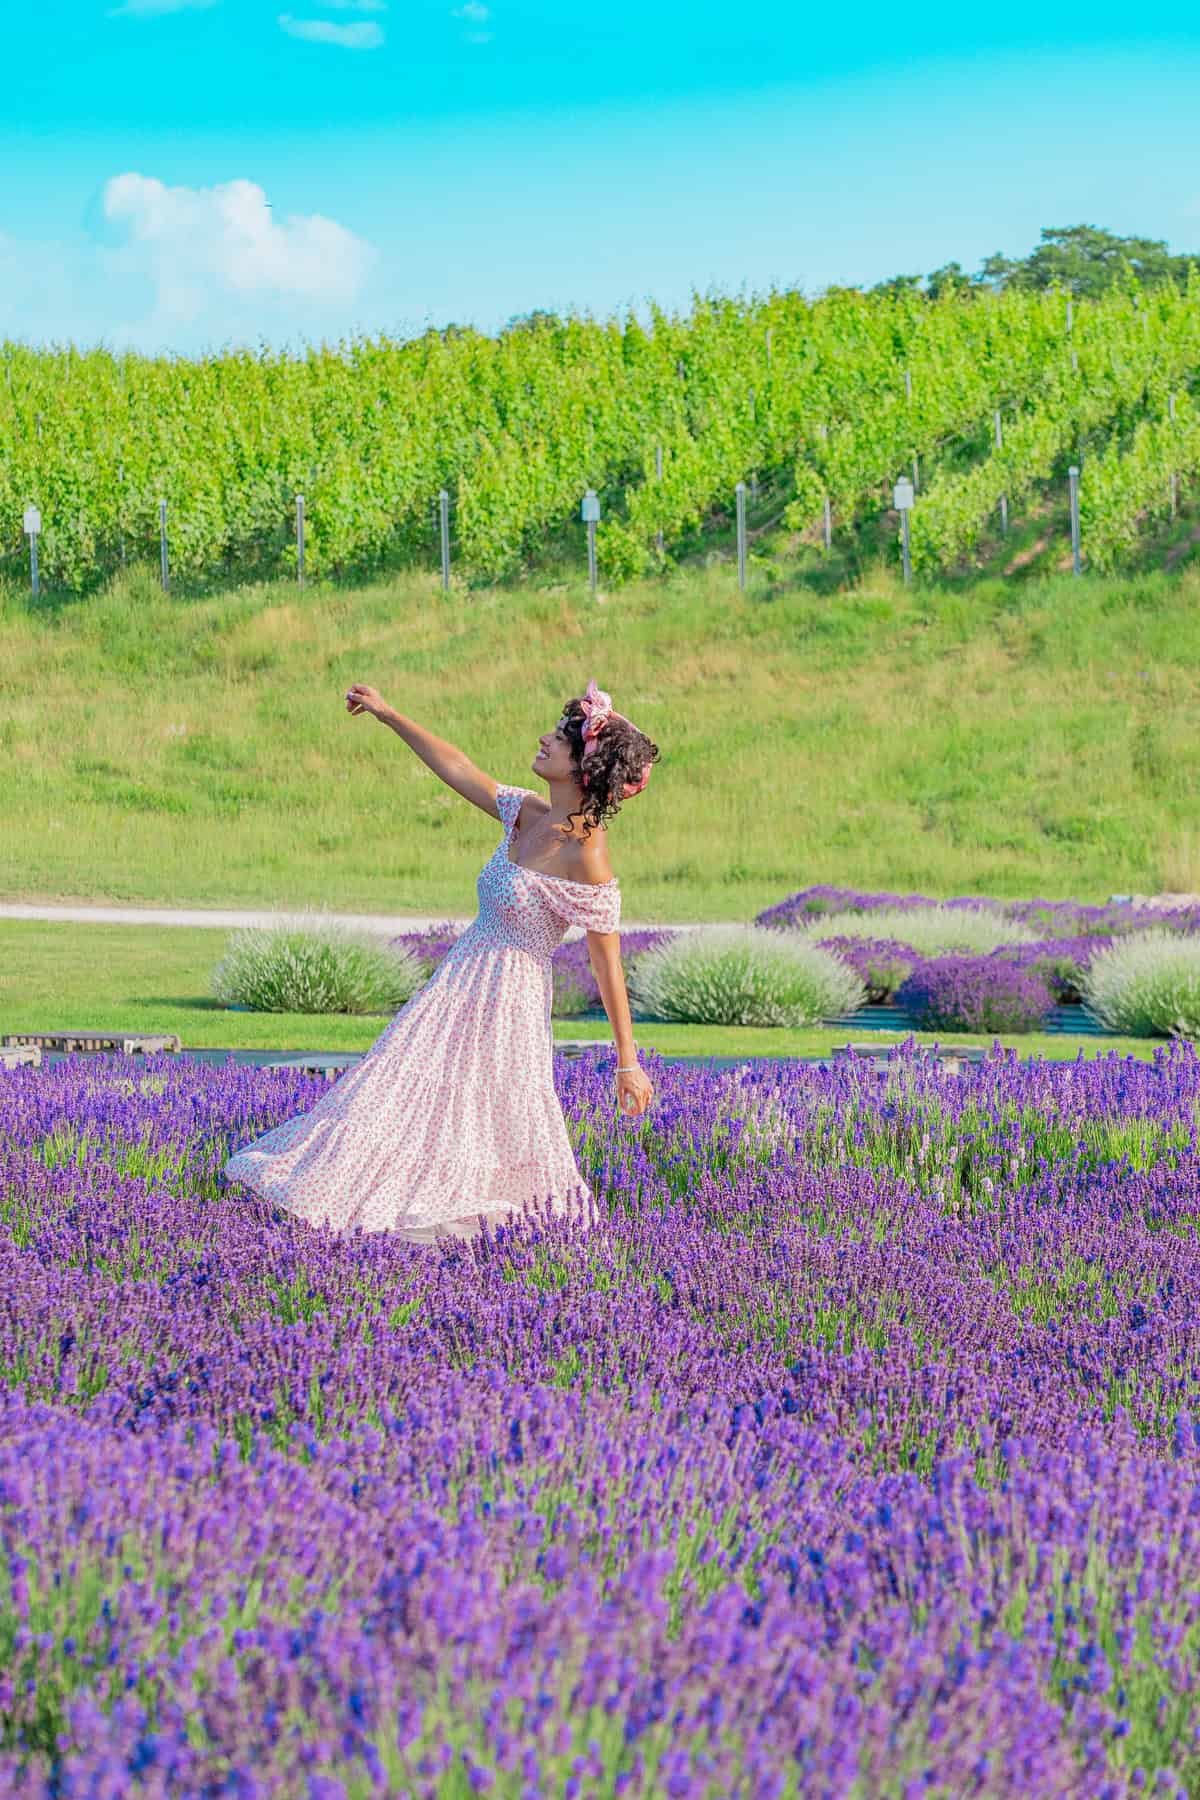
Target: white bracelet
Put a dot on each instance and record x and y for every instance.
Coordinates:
(627, 1068)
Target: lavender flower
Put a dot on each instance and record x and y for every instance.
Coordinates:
(849, 1445)
(976, 993)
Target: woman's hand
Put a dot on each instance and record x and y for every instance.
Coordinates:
(635, 1090)
(363, 699)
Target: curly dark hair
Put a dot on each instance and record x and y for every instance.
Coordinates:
(621, 753)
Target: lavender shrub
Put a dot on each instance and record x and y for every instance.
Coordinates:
(975, 993)
(1061, 962)
(1057, 918)
(881, 962)
(811, 903)
(429, 944)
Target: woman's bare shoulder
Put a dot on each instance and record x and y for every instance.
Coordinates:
(592, 857)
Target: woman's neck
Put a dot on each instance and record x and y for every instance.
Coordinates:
(566, 797)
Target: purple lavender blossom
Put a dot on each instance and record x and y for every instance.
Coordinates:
(1058, 918)
(852, 1441)
(975, 993)
(429, 944)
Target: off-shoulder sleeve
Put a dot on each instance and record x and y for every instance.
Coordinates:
(508, 803)
(592, 905)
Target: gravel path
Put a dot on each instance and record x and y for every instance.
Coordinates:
(384, 925)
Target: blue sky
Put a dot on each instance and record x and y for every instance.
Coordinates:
(178, 176)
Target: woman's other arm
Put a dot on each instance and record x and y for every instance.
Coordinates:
(634, 1087)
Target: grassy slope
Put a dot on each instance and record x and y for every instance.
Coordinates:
(1018, 738)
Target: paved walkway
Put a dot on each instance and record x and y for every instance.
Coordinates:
(387, 925)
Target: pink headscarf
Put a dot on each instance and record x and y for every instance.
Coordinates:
(598, 710)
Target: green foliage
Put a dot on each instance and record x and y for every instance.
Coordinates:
(1131, 352)
(1146, 985)
(1124, 487)
(964, 359)
(738, 975)
(327, 970)
(1085, 260)
(809, 395)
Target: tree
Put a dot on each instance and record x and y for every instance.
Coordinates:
(536, 320)
(998, 271)
(951, 278)
(1086, 260)
(896, 284)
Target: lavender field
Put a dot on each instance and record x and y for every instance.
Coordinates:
(851, 1449)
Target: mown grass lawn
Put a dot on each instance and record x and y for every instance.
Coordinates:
(61, 977)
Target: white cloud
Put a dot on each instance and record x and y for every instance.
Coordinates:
(200, 246)
(324, 31)
(477, 13)
(154, 9)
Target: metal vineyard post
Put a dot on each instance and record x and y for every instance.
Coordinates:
(1073, 475)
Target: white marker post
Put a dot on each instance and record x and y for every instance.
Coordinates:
(902, 499)
(32, 523)
(590, 513)
(444, 530)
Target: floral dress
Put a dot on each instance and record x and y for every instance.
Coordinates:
(451, 1117)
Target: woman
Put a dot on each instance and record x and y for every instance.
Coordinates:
(451, 1118)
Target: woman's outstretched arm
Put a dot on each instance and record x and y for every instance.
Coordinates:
(448, 762)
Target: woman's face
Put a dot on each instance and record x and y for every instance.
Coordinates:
(553, 761)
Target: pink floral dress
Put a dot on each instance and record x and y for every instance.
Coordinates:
(451, 1117)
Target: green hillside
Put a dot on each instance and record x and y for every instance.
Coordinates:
(1015, 737)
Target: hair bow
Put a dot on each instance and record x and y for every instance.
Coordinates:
(598, 710)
